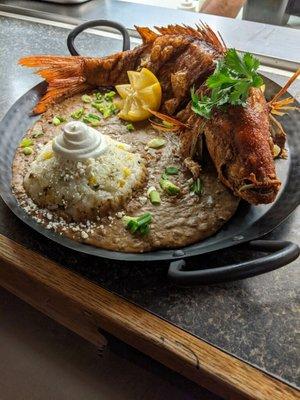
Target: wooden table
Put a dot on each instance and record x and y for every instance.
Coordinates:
(87, 309)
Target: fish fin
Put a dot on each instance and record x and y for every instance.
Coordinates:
(283, 90)
(64, 75)
(211, 37)
(202, 31)
(176, 124)
(281, 107)
(146, 34)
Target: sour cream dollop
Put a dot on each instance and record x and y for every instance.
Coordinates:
(78, 141)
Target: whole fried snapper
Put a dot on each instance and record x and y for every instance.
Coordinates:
(238, 137)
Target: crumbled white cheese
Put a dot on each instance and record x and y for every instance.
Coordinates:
(84, 235)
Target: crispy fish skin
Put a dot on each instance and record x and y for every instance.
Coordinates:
(240, 145)
(239, 142)
(179, 56)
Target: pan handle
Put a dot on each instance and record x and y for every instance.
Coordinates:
(91, 24)
(281, 253)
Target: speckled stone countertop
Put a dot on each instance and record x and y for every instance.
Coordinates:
(255, 319)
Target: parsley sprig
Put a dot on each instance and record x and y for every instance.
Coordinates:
(230, 83)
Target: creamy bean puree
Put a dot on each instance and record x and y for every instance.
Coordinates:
(89, 206)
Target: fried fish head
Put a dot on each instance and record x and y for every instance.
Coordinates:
(239, 142)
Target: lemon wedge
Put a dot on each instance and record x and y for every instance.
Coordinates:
(137, 97)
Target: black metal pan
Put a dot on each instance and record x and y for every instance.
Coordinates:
(246, 226)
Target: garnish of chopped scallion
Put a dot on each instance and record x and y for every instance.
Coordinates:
(129, 127)
(92, 119)
(156, 143)
(57, 120)
(139, 224)
(109, 96)
(26, 142)
(86, 98)
(106, 109)
(196, 187)
(169, 187)
(154, 196)
(99, 96)
(36, 134)
(171, 170)
(77, 114)
(27, 151)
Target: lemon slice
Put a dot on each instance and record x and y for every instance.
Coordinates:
(137, 97)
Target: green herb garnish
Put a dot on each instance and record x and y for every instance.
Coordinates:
(138, 224)
(36, 134)
(154, 196)
(26, 142)
(171, 170)
(77, 114)
(109, 96)
(86, 98)
(169, 187)
(109, 110)
(57, 120)
(99, 96)
(27, 151)
(92, 119)
(230, 83)
(196, 187)
(106, 109)
(129, 127)
(156, 143)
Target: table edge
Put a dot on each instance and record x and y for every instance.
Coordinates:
(87, 309)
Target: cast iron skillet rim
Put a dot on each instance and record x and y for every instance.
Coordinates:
(170, 254)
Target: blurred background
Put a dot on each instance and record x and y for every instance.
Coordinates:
(275, 12)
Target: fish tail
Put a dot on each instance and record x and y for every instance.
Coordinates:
(284, 89)
(65, 77)
(279, 108)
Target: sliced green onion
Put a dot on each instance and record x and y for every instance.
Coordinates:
(86, 98)
(57, 120)
(129, 127)
(36, 134)
(153, 195)
(92, 119)
(155, 198)
(156, 143)
(109, 110)
(105, 109)
(27, 151)
(99, 106)
(77, 114)
(95, 123)
(169, 187)
(196, 187)
(99, 96)
(171, 170)
(109, 96)
(138, 224)
(26, 142)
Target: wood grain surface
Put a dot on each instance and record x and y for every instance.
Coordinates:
(86, 309)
